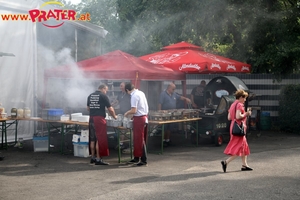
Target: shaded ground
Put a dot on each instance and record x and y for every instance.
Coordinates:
(182, 172)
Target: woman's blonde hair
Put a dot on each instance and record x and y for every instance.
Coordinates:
(240, 93)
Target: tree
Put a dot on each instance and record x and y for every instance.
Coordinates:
(273, 36)
(263, 33)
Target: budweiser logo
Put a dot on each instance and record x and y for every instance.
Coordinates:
(231, 67)
(244, 68)
(215, 65)
(193, 66)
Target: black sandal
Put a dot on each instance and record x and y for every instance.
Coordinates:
(245, 168)
(224, 165)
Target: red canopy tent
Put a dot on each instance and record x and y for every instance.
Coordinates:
(190, 58)
(116, 65)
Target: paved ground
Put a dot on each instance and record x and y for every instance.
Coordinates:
(180, 173)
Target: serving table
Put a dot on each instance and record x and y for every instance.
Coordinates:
(3, 132)
(65, 127)
(123, 132)
(152, 124)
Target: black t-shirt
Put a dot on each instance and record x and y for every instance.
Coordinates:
(124, 102)
(97, 102)
(199, 97)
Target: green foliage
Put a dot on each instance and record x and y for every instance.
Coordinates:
(263, 33)
(275, 40)
(289, 108)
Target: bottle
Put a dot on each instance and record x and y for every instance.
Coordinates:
(2, 110)
(20, 113)
(27, 112)
(13, 113)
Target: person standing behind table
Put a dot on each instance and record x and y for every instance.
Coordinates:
(139, 109)
(167, 101)
(96, 103)
(238, 145)
(199, 100)
(123, 100)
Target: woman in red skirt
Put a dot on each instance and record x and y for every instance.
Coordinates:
(238, 145)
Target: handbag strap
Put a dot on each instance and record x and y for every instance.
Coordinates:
(235, 111)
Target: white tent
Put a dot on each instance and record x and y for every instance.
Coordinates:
(18, 72)
(22, 60)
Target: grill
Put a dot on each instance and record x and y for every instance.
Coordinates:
(163, 115)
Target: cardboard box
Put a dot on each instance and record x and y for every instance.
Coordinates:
(84, 138)
(85, 133)
(75, 138)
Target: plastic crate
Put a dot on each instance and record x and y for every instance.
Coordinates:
(81, 149)
(55, 112)
(40, 144)
(52, 114)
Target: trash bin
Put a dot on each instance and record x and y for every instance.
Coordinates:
(265, 121)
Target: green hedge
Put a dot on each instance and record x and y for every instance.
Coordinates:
(289, 108)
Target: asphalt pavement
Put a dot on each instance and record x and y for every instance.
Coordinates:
(183, 171)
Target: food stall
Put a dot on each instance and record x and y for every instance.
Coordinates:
(114, 66)
(110, 68)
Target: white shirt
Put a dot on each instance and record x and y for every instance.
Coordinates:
(139, 101)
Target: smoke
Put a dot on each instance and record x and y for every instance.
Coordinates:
(65, 93)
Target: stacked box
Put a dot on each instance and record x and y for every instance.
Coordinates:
(85, 133)
(76, 138)
(81, 149)
(84, 137)
(40, 144)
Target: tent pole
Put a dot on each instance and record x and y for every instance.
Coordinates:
(76, 45)
(184, 90)
(45, 92)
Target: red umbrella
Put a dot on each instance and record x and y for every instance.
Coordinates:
(190, 58)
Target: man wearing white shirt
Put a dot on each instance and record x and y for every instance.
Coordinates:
(139, 109)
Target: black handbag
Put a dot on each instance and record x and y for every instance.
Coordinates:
(238, 130)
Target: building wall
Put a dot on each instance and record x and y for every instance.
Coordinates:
(263, 85)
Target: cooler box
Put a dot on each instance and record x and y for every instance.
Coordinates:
(40, 144)
(81, 149)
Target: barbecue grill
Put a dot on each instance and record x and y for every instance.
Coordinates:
(214, 122)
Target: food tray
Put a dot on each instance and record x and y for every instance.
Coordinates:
(83, 118)
(65, 118)
(75, 117)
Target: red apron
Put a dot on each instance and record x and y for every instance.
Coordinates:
(139, 135)
(101, 134)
